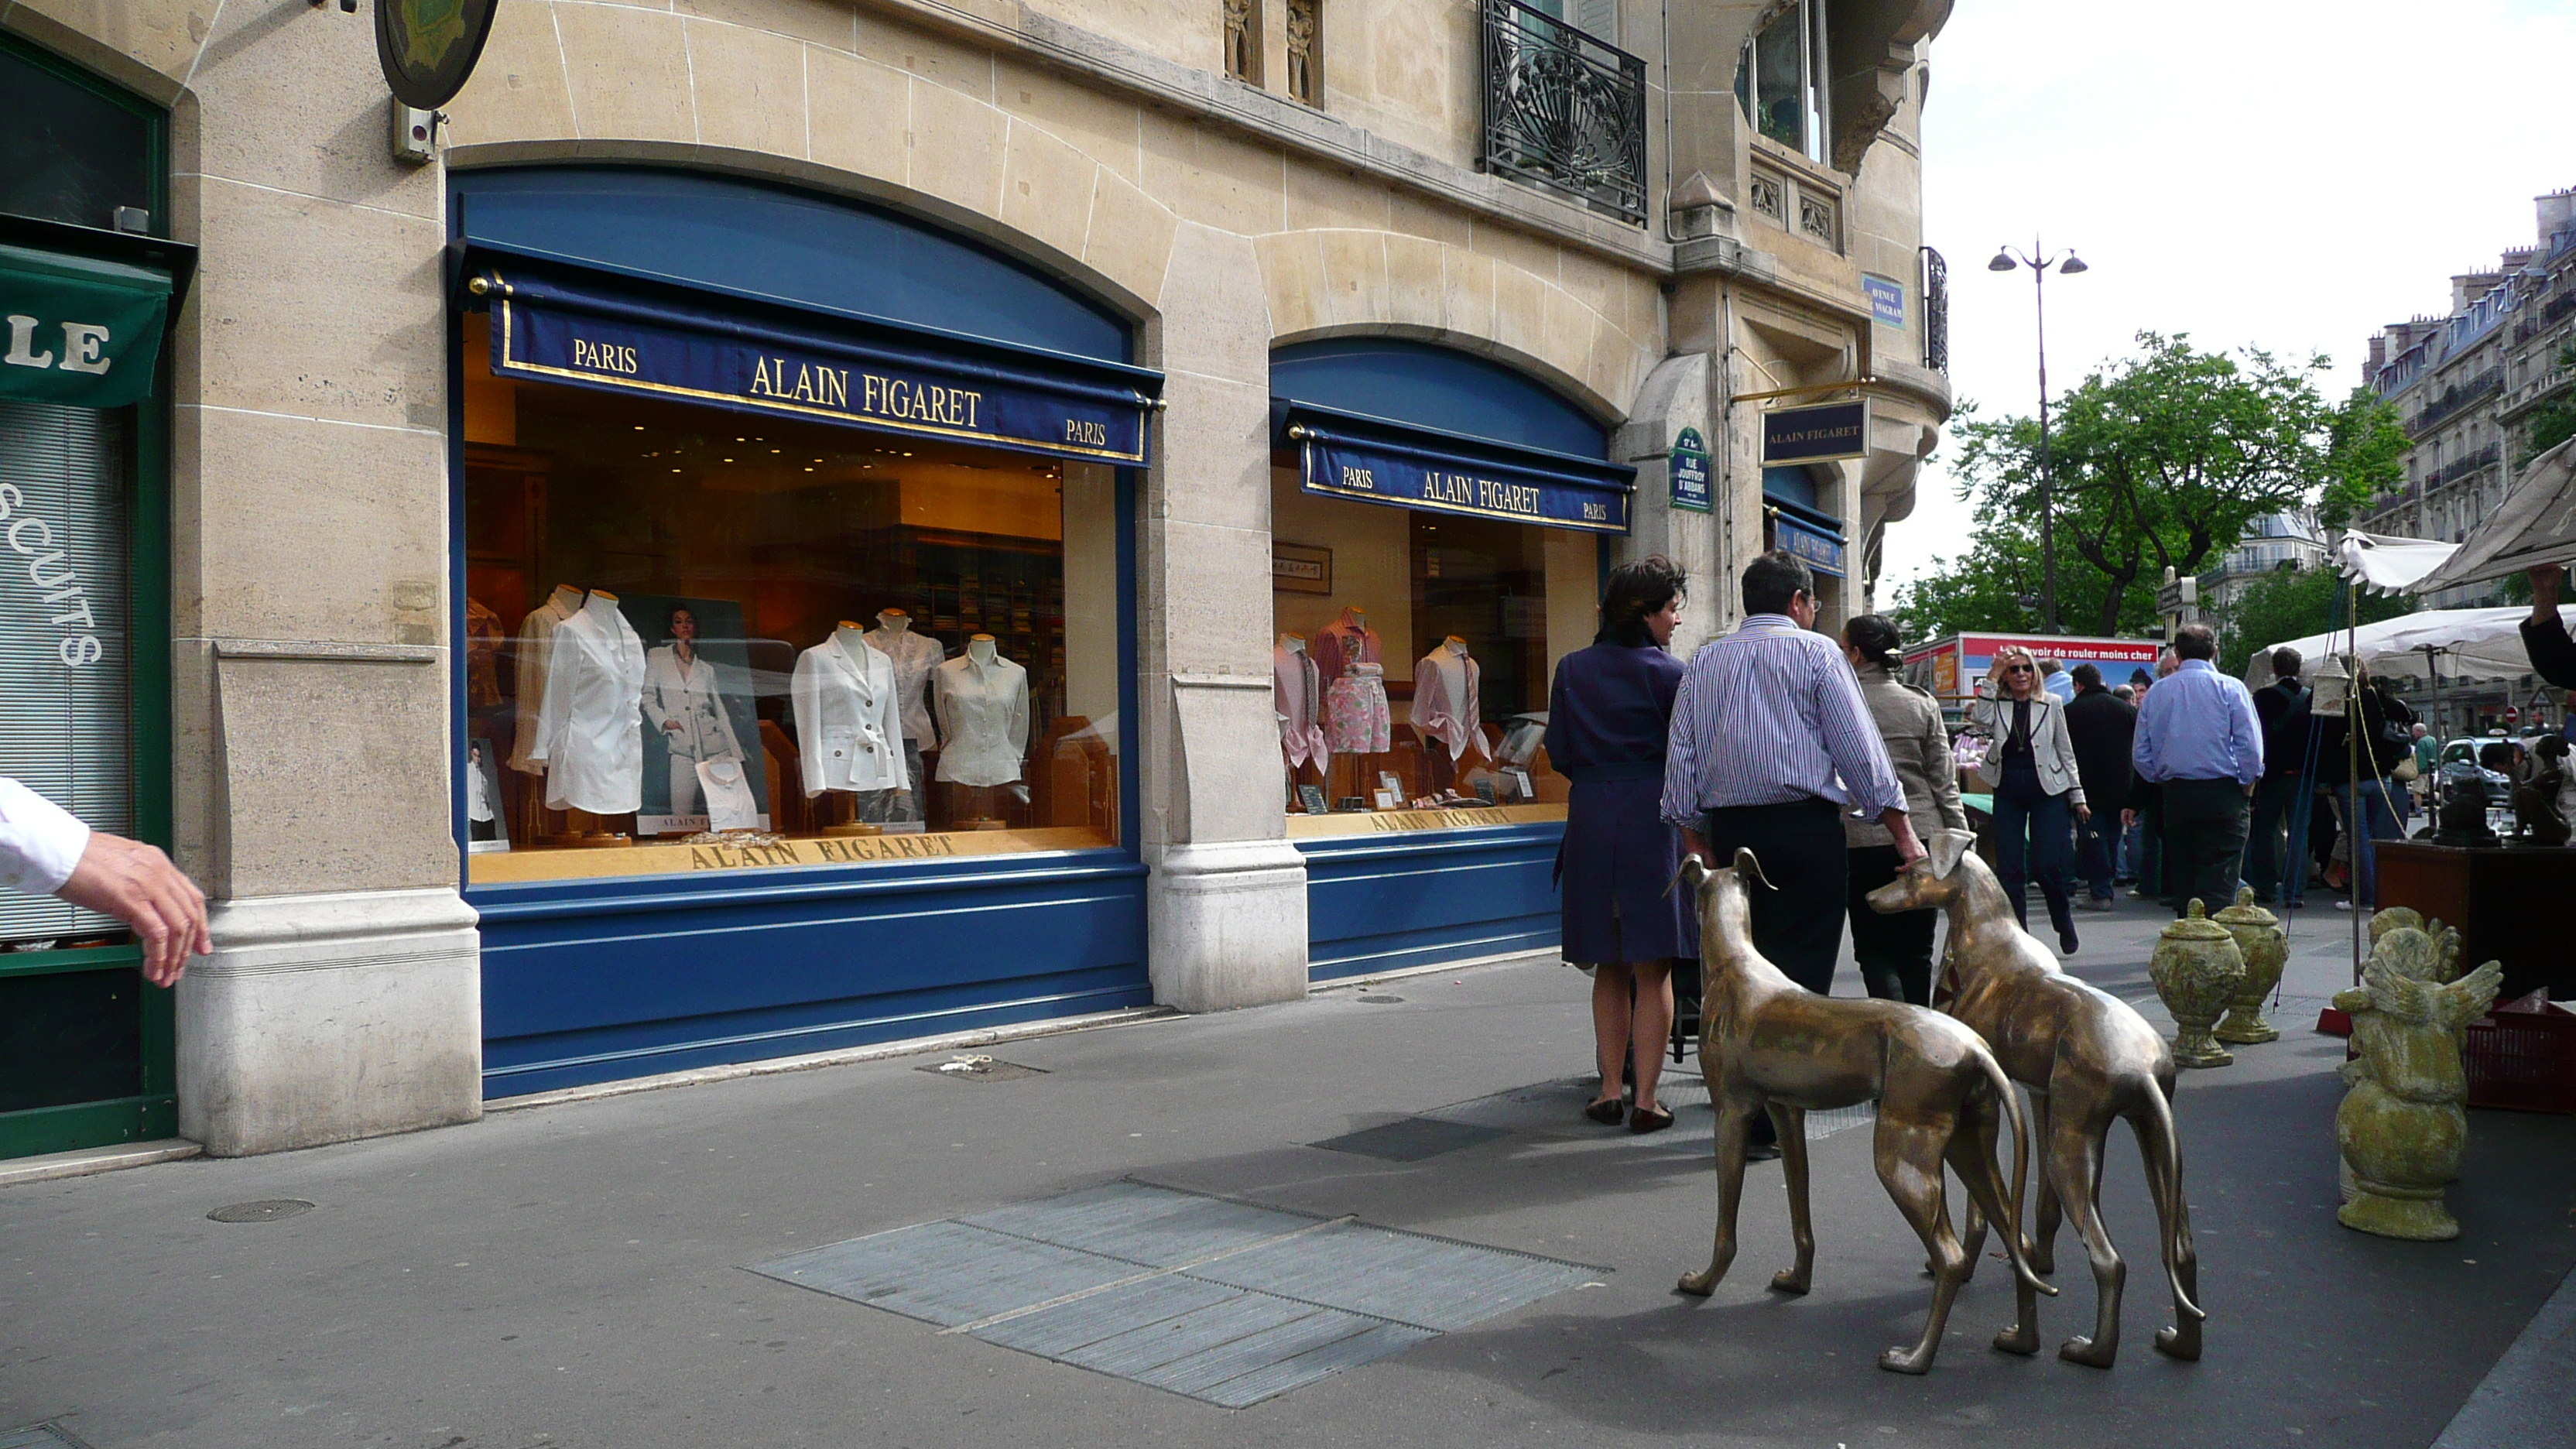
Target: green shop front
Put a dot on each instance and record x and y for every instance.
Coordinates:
(88, 282)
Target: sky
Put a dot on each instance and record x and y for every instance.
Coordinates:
(2280, 174)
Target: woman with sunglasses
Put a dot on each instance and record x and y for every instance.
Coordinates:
(2031, 770)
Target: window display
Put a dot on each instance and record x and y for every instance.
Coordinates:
(1479, 607)
(749, 641)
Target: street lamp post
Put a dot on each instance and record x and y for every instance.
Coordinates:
(2070, 265)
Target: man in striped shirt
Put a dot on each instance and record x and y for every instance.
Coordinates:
(1771, 746)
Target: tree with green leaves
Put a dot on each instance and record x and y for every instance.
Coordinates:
(2553, 422)
(2365, 456)
(2161, 460)
(2292, 604)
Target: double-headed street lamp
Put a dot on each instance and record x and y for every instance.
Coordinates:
(2070, 265)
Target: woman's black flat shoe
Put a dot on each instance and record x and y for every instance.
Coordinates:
(1647, 1119)
(1607, 1113)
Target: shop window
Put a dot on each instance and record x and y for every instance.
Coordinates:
(75, 155)
(1243, 41)
(1780, 80)
(700, 638)
(1306, 51)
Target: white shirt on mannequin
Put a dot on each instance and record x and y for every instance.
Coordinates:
(590, 723)
(1445, 687)
(848, 731)
(983, 717)
(528, 672)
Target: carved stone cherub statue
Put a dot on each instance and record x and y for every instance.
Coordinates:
(2402, 1126)
(2537, 820)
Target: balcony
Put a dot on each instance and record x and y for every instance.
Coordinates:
(2455, 400)
(2465, 467)
(1564, 112)
(1936, 311)
(2532, 394)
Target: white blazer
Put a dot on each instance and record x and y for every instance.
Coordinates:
(849, 723)
(695, 700)
(2051, 751)
(590, 723)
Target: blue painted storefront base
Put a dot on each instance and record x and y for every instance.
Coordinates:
(599, 980)
(1388, 902)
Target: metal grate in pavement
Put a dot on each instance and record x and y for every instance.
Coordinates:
(1411, 1139)
(1220, 1301)
(39, 1436)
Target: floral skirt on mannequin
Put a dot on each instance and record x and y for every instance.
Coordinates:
(1356, 718)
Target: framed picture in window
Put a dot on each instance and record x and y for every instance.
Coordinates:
(1300, 568)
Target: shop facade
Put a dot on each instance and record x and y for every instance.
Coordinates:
(785, 532)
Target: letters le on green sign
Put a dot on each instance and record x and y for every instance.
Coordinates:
(77, 330)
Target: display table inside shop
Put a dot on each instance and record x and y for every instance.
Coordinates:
(2510, 905)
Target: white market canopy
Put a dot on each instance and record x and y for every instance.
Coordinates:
(2390, 564)
(2535, 525)
(2475, 643)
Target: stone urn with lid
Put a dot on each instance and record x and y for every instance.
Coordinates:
(2266, 949)
(2198, 971)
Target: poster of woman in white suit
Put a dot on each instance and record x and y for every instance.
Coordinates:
(697, 705)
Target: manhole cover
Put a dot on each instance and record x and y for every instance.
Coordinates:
(1411, 1140)
(267, 1211)
(1382, 1000)
(967, 1068)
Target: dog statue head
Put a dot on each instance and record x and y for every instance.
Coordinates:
(1722, 895)
(1933, 881)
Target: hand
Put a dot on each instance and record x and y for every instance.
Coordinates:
(2083, 814)
(138, 885)
(2545, 580)
(2128, 818)
(1901, 828)
(1693, 843)
(671, 725)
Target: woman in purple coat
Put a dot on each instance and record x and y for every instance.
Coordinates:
(1607, 719)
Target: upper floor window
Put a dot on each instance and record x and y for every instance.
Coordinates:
(1781, 80)
(1243, 41)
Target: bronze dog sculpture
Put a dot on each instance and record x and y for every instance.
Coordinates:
(2088, 1060)
(1770, 1044)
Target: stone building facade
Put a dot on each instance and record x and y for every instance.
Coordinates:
(1229, 258)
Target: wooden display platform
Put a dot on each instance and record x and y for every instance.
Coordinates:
(2510, 906)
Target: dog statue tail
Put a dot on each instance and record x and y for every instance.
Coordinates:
(2167, 1166)
(2014, 1245)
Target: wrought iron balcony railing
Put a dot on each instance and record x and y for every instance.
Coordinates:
(1936, 311)
(1563, 111)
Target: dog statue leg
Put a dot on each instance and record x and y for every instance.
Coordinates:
(2164, 1179)
(1790, 1124)
(2075, 1158)
(1732, 1129)
(1910, 1167)
(2044, 1218)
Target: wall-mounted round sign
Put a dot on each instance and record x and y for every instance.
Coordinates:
(428, 47)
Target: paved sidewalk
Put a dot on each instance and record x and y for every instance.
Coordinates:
(579, 1274)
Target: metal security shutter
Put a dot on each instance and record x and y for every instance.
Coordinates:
(66, 728)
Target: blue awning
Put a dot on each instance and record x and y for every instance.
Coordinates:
(1378, 460)
(568, 325)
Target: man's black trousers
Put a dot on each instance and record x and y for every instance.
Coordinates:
(1798, 923)
(2204, 827)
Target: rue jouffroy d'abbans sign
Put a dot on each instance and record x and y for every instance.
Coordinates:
(1822, 433)
(1689, 471)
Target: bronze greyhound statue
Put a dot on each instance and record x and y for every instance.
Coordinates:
(1770, 1044)
(2088, 1059)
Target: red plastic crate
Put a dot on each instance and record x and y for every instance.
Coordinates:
(2522, 1056)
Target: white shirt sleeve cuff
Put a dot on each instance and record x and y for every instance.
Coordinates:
(40, 842)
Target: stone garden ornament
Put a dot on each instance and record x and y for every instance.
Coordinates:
(2265, 949)
(2198, 971)
(2089, 1060)
(2403, 1124)
(1772, 1045)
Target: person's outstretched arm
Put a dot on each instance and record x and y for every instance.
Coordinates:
(44, 849)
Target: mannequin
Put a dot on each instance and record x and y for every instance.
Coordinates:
(590, 720)
(1346, 641)
(1297, 696)
(848, 725)
(983, 702)
(1447, 683)
(1348, 660)
(535, 651)
(915, 655)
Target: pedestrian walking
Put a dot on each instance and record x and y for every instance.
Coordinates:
(2199, 742)
(1895, 949)
(2102, 726)
(1771, 746)
(1609, 715)
(45, 850)
(2366, 796)
(2054, 678)
(2039, 794)
(2280, 707)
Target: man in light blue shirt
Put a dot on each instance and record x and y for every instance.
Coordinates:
(2199, 740)
(2054, 678)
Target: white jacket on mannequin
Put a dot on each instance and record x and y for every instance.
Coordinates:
(849, 728)
(590, 722)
